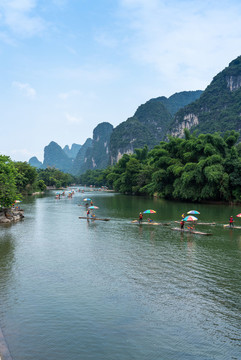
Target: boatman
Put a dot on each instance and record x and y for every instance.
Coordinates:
(140, 217)
(182, 224)
(231, 221)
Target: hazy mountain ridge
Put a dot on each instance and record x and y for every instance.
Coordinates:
(73, 151)
(148, 126)
(54, 156)
(98, 155)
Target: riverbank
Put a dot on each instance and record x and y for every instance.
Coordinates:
(4, 351)
(8, 216)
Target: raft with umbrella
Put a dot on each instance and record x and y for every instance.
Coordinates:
(93, 217)
(233, 227)
(150, 221)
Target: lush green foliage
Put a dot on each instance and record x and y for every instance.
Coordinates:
(197, 168)
(55, 177)
(25, 178)
(8, 189)
(20, 178)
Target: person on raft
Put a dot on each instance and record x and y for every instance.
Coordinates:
(140, 217)
(182, 224)
(231, 221)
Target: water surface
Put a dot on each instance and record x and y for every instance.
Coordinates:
(114, 290)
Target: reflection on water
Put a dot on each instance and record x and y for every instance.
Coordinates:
(75, 289)
(6, 262)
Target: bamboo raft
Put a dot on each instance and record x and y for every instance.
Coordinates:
(93, 218)
(227, 226)
(149, 223)
(192, 231)
(196, 223)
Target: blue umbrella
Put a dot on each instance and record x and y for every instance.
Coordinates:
(193, 212)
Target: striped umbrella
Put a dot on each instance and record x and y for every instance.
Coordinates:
(190, 218)
(149, 211)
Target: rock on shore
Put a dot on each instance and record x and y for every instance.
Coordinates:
(10, 215)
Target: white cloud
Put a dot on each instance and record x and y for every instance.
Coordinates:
(26, 89)
(73, 119)
(18, 17)
(183, 41)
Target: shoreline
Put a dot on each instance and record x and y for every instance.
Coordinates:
(8, 216)
(4, 350)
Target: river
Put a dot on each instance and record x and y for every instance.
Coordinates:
(115, 290)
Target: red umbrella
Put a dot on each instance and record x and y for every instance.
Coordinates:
(190, 218)
(239, 215)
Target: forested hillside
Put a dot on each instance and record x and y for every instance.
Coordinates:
(149, 124)
(197, 168)
(217, 109)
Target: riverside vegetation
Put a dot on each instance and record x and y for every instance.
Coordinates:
(203, 167)
(206, 167)
(20, 178)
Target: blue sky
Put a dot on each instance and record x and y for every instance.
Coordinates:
(67, 65)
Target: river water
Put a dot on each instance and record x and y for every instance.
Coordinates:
(115, 290)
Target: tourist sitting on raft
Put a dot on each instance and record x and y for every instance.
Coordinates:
(191, 227)
(149, 220)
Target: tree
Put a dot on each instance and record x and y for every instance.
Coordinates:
(26, 177)
(8, 188)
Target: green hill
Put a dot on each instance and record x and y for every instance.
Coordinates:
(219, 107)
(149, 124)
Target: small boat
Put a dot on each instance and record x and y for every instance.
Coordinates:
(227, 226)
(93, 218)
(192, 231)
